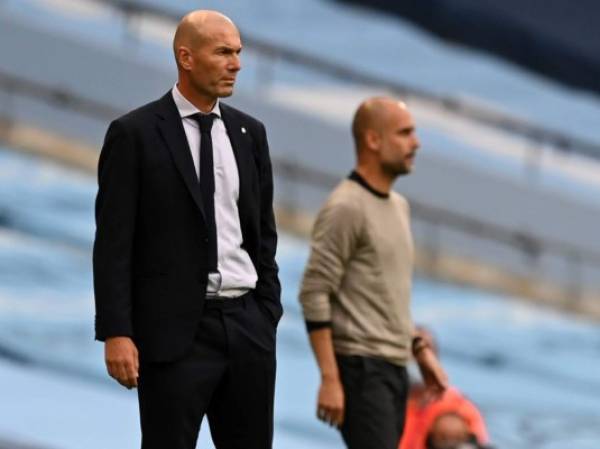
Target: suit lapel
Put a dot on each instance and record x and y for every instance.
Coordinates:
(171, 129)
(242, 152)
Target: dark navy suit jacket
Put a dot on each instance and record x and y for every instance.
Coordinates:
(150, 272)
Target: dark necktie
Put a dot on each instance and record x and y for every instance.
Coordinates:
(207, 185)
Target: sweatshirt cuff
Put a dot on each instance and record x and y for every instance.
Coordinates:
(316, 325)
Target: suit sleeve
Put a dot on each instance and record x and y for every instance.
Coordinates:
(268, 287)
(116, 206)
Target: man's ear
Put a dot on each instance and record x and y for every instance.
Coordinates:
(184, 58)
(372, 139)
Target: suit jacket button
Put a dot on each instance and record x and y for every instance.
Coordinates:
(205, 239)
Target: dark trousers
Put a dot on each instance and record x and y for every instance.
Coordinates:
(376, 393)
(229, 375)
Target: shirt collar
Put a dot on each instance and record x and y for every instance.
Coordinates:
(354, 176)
(186, 108)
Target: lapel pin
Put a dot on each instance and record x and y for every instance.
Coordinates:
(243, 130)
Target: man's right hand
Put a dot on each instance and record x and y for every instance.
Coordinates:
(331, 401)
(122, 361)
(330, 407)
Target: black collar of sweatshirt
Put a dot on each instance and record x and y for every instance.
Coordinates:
(354, 176)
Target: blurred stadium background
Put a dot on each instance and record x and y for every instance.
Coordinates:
(505, 198)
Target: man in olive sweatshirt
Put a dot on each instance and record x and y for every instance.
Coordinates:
(355, 293)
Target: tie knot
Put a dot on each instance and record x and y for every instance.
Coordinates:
(205, 121)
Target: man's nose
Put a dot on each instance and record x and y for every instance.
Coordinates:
(416, 143)
(235, 64)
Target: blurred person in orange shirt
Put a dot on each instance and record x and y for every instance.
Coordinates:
(423, 412)
(451, 431)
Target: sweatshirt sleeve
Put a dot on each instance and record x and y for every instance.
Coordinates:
(335, 236)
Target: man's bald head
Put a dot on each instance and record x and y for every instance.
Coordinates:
(385, 137)
(207, 48)
(373, 114)
(198, 27)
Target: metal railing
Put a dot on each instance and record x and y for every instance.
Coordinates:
(544, 137)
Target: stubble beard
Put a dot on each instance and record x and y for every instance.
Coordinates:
(396, 170)
(228, 92)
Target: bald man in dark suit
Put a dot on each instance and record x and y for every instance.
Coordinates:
(186, 285)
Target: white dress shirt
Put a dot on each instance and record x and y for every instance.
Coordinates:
(236, 274)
